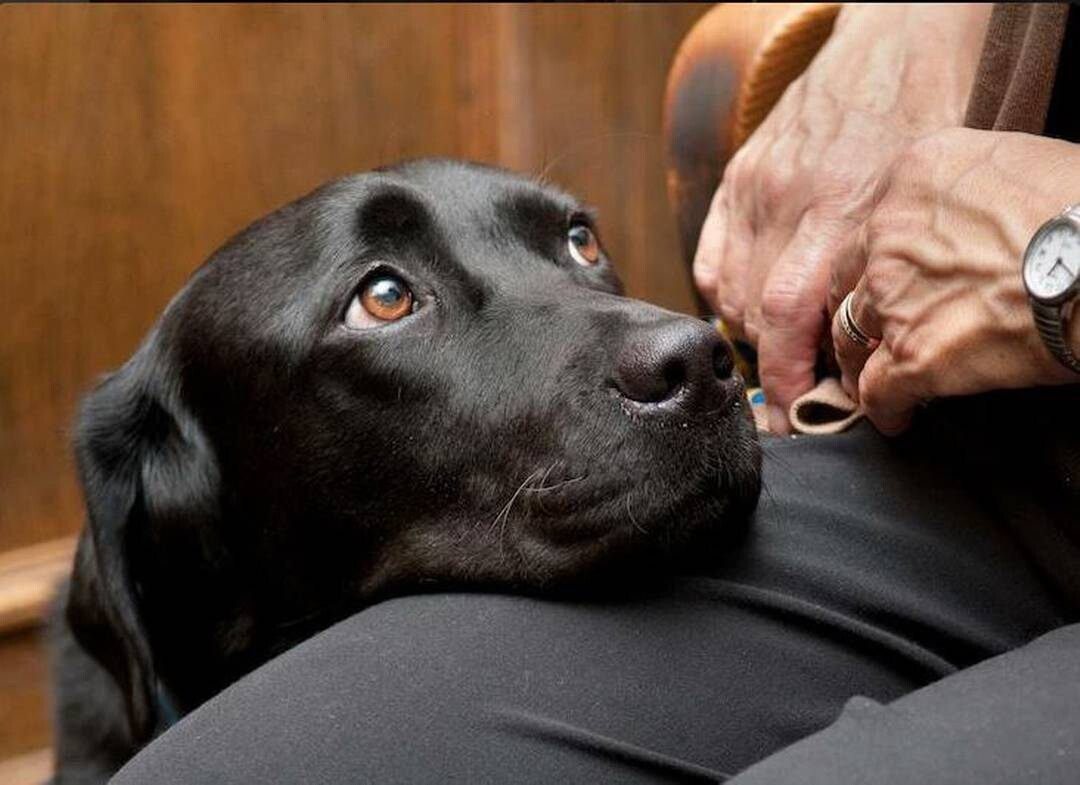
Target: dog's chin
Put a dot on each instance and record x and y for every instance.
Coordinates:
(631, 529)
(573, 530)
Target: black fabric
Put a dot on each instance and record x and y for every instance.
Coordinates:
(873, 568)
(1009, 720)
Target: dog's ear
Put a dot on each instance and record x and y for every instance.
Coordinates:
(143, 463)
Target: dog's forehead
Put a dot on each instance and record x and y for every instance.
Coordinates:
(476, 187)
(466, 198)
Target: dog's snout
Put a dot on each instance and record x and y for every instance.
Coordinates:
(683, 356)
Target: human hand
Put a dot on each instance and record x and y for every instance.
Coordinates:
(935, 271)
(796, 190)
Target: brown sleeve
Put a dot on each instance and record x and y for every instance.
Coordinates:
(1015, 76)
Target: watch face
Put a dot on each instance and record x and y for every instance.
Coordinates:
(1052, 261)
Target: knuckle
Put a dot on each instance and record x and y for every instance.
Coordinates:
(781, 301)
(774, 185)
(908, 353)
(786, 366)
(879, 281)
(873, 285)
(893, 223)
(915, 356)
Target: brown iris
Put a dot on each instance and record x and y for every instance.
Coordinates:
(386, 298)
(584, 246)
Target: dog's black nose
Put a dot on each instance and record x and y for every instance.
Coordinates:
(681, 357)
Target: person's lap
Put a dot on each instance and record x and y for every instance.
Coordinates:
(869, 570)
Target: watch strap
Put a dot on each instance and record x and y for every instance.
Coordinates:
(1050, 322)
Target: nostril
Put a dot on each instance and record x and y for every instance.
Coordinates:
(723, 363)
(674, 376)
(640, 377)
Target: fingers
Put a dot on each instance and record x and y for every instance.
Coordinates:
(848, 267)
(786, 358)
(851, 355)
(735, 271)
(887, 400)
(722, 259)
(793, 316)
(870, 374)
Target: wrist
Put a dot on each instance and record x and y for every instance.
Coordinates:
(916, 61)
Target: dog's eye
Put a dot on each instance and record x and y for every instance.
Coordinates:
(383, 298)
(584, 246)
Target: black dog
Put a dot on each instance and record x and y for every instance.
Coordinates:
(414, 379)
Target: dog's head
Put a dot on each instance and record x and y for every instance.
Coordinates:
(419, 377)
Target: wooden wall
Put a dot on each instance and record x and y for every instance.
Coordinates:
(135, 139)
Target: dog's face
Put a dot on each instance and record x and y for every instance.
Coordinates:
(419, 377)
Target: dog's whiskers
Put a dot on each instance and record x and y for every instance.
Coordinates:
(548, 488)
(504, 513)
(534, 492)
(633, 520)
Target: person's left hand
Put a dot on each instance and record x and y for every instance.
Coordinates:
(936, 272)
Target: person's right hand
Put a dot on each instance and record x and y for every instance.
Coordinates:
(805, 179)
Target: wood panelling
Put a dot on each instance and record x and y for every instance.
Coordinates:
(28, 579)
(24, 707)
(31, 768)
(135, 139)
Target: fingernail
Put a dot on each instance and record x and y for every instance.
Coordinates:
(778, 422)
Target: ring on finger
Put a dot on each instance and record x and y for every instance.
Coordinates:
(848, 324)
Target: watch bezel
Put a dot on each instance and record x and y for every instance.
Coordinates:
(1073, 288)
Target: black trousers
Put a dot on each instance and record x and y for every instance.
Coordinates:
(878, 625)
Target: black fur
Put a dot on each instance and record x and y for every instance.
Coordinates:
(257, 470)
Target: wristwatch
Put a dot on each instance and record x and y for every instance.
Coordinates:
(1052, 280)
